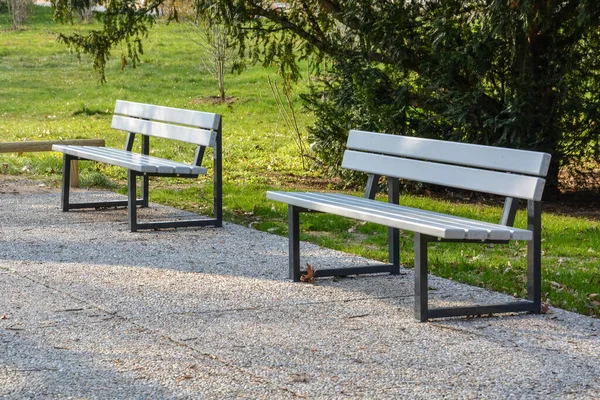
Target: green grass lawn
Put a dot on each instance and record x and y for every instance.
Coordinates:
(46, 92)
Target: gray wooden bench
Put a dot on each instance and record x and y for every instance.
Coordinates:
(513, 174)
(198, 128)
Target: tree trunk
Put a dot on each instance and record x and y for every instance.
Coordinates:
(221, 78)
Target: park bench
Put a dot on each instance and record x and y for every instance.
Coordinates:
(198, 128)
(512, 174)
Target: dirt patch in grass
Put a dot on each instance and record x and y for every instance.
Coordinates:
(213, 100)
(576, 204)
(580, 178)
(304, 183)
(10, 184)
(583, 204)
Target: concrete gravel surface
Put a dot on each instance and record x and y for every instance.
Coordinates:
(91, 310)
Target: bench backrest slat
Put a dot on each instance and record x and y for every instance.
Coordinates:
(168, 114)
(480, 156)
(197, 136)
(482, 180)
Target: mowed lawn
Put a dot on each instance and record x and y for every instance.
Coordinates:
(48, 93)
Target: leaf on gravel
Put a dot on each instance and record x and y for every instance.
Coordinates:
(309, 276)
(545, 308)
(3, 316)
(303, 378)
(184, 377)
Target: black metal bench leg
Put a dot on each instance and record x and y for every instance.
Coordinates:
(145, 190)
(394, 250)
(421, 288)
(294, 242)
(218, 178)
(66, 182)
(393, 233)
(534, 255)
(131, 200)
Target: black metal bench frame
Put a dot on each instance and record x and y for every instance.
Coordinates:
(133, 201)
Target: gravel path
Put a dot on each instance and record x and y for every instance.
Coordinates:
(90, 310)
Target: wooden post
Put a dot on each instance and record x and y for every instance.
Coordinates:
(46, 145)
(74, 173)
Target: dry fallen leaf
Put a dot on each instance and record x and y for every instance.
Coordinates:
(3, 316)
(309, 276)
(184, 377)
(299, 378)
(545, 309)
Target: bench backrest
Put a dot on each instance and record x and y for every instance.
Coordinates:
(189, 126)
(496, 170)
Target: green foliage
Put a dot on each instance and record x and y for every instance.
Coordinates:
(521, 74)
(95, 179)
(355, 95)
(123, 21)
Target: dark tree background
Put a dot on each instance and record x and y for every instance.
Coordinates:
(515, 73)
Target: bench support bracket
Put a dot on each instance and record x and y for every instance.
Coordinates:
(294, 253)
(132, 201)
(65, 198)
(534, 277)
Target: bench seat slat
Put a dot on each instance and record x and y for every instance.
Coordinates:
(438, 216)
(481, 156)
(197, 136)
(163, 165)
(401, 217)
(506, 233)
(332, 205)
(120, 158)
(409, 215)
(503, 184)
(134, 161)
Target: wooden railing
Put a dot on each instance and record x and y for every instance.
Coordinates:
(46, 145)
